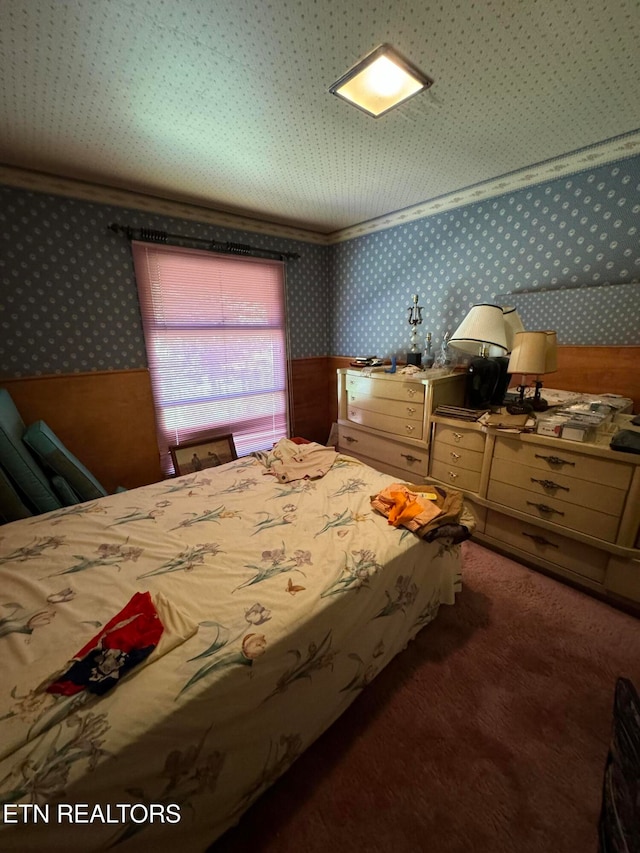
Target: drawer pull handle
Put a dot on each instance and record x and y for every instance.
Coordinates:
(411, 458)
(409, 428)
(455, 456)
(452, 475)
(411, 391)
(540, 540)
(351, 439)
(554, 460)
(549, 484)
(547, 510)
(411, 410)
(457, 436)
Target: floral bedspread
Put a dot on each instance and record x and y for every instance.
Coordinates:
(300, 593)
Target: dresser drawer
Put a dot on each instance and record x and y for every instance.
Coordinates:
(623, 577)
(411, 460)
(559, 460)
(559, 512)
(470, 460)
(595, 496)
(398, 408)
(457, 477)
(386, 423)
(577, 557)
(467, 438)
(366, 386)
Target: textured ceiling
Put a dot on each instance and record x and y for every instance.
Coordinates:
(225, 103)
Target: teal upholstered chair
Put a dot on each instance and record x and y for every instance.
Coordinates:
(37, 472)
(12, 506)
(19, 467)
(70, 474)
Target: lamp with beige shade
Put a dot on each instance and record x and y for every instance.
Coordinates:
(482, 332)
(533, 354)
(550, 366)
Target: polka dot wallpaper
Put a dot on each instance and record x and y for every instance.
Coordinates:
(565, 253)
(68, 298)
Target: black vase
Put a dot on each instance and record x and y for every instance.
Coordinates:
(503, 380)
(483, 377)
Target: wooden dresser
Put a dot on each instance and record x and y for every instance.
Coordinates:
(385, 418)
(572, 508)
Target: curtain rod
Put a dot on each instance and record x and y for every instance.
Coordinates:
(149, 235)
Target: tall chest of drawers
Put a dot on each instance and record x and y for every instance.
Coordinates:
(385, 419)
(572, 508)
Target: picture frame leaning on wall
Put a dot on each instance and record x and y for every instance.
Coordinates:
(200, 453)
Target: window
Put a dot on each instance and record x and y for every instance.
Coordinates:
(214, 329)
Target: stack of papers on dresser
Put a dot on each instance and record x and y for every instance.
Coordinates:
(592, 414)
(596, 409)
(561, 398)
(569, 398)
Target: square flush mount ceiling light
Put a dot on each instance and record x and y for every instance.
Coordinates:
(380, 82)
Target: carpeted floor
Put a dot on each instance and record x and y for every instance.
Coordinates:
(488, 733)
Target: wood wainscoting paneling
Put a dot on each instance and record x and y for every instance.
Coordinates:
(598, 370)
(105, 418)
(592, 370)
(309, 398)
(595, 370)
(314, 396)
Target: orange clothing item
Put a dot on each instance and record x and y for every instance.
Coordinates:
(402, 506)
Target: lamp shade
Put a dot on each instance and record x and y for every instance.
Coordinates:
(513, 324)
(529, 353)
(551, 352)
(483, 325)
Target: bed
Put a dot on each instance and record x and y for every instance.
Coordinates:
(283, 600)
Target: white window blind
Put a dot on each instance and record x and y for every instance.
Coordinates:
(214, 329)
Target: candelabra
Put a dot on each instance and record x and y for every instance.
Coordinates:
(414, 319)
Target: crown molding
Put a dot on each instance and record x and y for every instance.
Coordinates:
(71, 188)
(619, 148)
(596, 155)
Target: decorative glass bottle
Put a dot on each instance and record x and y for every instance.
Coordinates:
(428, 359)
